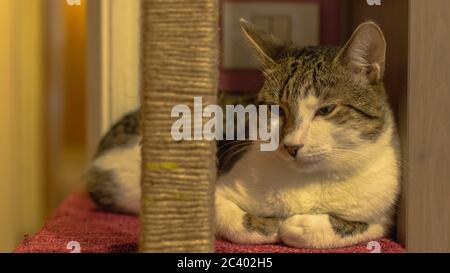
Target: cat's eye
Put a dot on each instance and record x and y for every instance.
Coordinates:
(325, 111)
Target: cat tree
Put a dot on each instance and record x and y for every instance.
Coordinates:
(179, 60)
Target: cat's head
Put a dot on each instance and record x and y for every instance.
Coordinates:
(334, 114)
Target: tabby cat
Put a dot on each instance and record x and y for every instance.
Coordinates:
(334, 180)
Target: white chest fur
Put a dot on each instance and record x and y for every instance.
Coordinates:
(261, 183)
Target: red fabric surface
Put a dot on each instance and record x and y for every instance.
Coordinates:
(77, 219)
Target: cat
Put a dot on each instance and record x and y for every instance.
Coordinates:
(334, 180)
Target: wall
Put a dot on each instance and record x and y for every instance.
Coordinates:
(21, 107)
(112, 65)
(6, 137)
(65, 104)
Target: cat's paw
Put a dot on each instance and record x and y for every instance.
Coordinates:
(251, 230)
(250, 238)
(307, 231)
(327, 231)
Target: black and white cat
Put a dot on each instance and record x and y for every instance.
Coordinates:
(334, 180)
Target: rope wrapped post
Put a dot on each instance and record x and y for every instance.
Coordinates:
(179, 53)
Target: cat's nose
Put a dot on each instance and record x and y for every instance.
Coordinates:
(293, 149)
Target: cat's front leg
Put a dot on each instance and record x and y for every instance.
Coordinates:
(238, 226)
(327, 231)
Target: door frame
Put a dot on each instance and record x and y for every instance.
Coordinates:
(113, 64)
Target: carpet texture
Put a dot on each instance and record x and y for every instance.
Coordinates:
(77, 219)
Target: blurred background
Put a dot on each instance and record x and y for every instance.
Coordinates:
(42, 112)
(69, 68)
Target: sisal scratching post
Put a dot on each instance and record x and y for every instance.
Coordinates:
(179, 52)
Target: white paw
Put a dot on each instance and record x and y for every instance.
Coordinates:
(241, 236)
(310, 231)
(240, 227)
(250, 230)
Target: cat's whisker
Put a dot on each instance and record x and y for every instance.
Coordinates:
(232, 142)
(349, 151)
(225, 158)
(230, 149)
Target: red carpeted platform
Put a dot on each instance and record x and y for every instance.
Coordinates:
(77, 219)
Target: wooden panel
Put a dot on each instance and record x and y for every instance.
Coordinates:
(427, 191)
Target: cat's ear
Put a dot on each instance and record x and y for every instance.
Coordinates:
(365, 52)
(266, 46)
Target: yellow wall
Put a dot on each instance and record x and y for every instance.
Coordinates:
(75, 83)
(66, 99)
(6, 187)
(21, 176)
